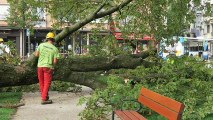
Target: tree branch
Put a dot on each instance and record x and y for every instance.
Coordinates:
(112, 10)
(100, 7)
(69, 30)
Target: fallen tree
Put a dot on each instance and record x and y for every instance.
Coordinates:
(26, 73)
(79, 70)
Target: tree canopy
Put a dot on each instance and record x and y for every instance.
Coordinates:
(161, 18)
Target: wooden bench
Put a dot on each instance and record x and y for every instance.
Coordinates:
(165, 106)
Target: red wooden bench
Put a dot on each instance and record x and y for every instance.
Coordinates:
(163, 105)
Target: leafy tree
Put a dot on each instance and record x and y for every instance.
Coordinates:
(77, 13)
(161, 18)
(22, 13)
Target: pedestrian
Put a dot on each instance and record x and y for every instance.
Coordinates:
(3, 48)
(48, 56)
(138, 49)
(4, 51)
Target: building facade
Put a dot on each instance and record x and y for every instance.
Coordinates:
(21, 37)
(203, 26)
(201, 32)
(26, 43)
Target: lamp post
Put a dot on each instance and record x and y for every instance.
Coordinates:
(28, 35)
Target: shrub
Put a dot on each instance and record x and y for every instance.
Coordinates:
(185, 80)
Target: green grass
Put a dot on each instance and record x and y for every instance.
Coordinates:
(5, 113)
(8, 98)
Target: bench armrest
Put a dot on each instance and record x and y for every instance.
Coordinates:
(132, 101)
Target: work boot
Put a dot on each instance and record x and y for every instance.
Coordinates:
(43, 102)
(47, 97)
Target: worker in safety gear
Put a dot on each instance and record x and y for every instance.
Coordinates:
(48, 56)
(1, 40)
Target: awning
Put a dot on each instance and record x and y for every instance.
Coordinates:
(146, 37)
(118, 36)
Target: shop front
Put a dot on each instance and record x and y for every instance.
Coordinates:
(144, 41)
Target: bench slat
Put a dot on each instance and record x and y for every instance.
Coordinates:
(166, 101)
(121, 115)
(139, 116)
(129, 115)
(168, 113)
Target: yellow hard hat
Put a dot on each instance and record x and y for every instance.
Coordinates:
(50, 35)
(1, 40)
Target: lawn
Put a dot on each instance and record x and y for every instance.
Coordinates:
(8, 98)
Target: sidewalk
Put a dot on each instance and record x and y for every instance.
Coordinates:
(64, 106)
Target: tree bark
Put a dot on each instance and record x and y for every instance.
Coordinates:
(79, 70)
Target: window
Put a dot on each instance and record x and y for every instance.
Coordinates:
(4, 11)
(42, 18)
(41, 14)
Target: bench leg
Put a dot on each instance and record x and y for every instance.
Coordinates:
(113, 115)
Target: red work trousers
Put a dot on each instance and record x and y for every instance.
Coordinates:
(45, 77)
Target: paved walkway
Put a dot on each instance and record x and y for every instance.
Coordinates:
(64, 106)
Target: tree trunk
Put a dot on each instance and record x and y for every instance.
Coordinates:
(79, 70)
